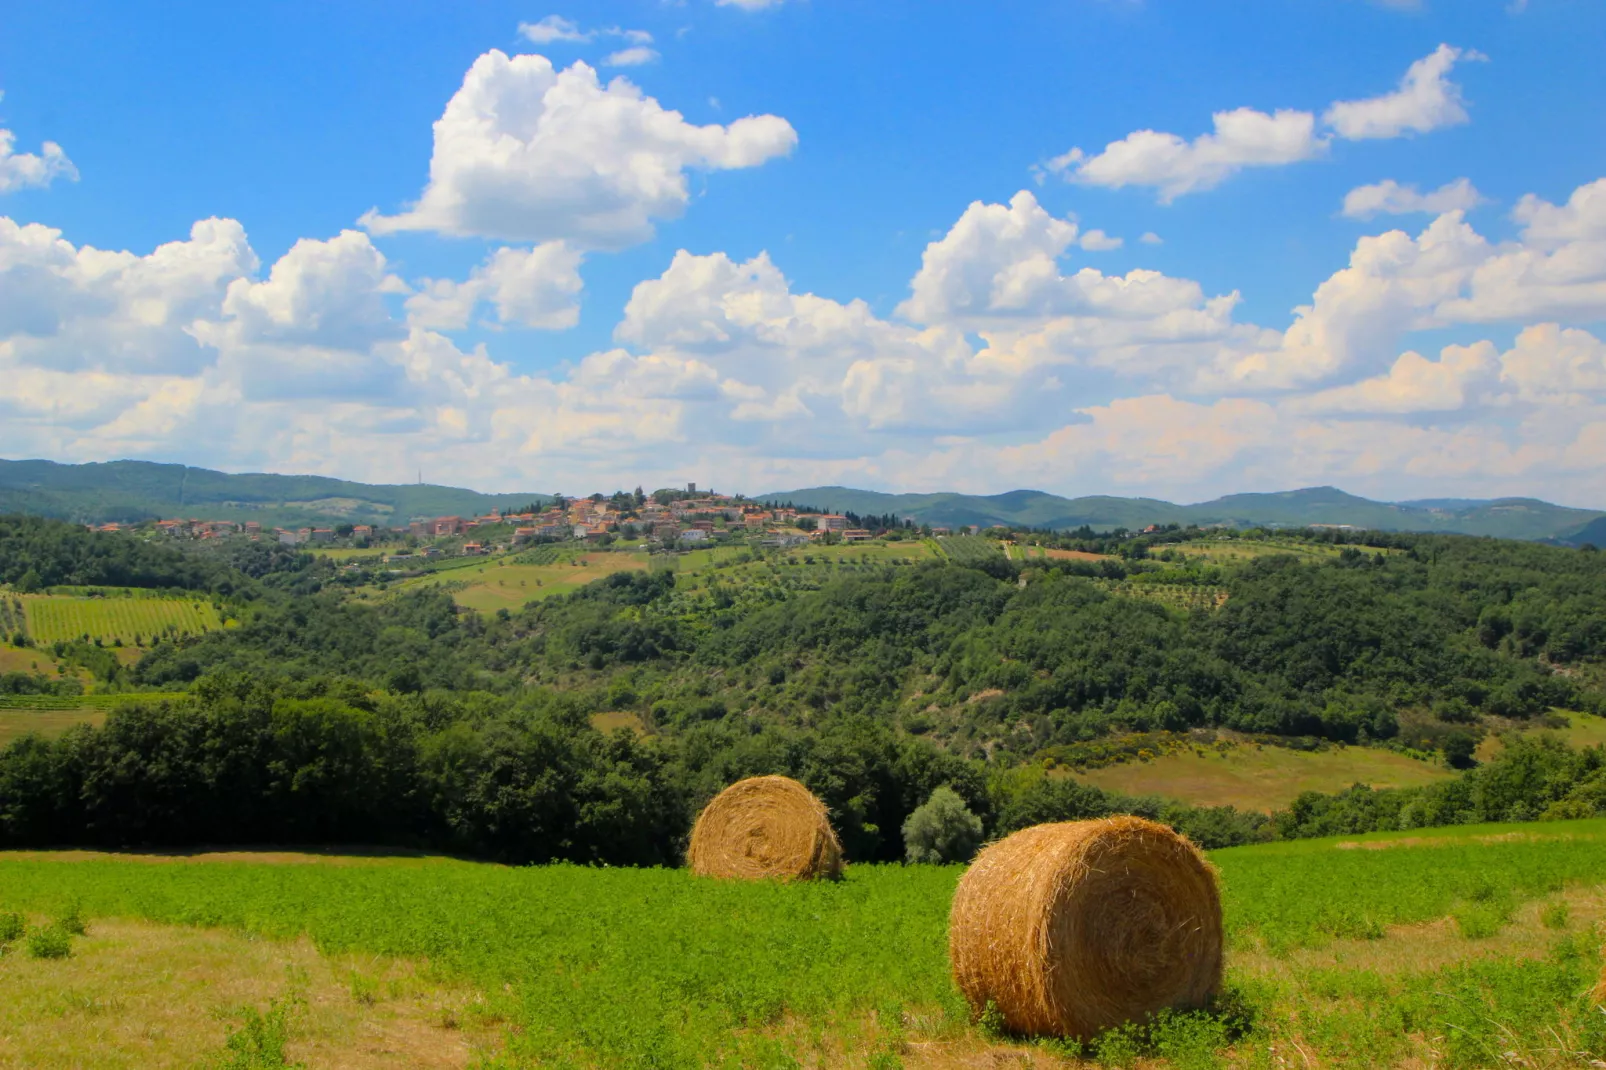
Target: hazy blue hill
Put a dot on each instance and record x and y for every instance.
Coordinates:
(1593, 533)
(1511, 518)
(142, 490)
(1031, 508)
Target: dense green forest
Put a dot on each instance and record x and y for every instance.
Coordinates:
(338, 712)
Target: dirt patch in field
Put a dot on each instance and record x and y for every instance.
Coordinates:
(134, 994)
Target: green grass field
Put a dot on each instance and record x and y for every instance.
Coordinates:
(51, 715)
(1262, 778)
(1446, 948)
(136, 621)
(496, 583)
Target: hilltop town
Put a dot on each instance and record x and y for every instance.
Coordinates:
(664, 519)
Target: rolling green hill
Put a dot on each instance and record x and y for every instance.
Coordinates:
(1510, 518)
(1593, 533)
(141, 490)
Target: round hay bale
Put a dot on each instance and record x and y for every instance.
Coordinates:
(765, 827)
(1069, 929)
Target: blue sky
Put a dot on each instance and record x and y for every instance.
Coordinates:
(941, 302)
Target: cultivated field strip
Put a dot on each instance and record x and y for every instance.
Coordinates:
(134, 621)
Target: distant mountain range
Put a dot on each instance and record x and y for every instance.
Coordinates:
(1509, 518)
(129, 491)
(142, 490)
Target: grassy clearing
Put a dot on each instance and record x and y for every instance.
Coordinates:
(367, 555)
(134, 621)
(133, 994)
(1044, 553)
(51, 715)
(1230, 551)
(1583, 730)
(26, 659)
(497, 583)
(1176, 595)
(1449, 942)
(14, 724)
(1253, 777)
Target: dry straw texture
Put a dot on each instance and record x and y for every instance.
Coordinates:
(1069, 929)
(765, 826)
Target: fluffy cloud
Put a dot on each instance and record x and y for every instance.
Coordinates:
(1244, 137)
(20, 170)
(1552, 365)
(1391, 198)
(1447, 275)
(525, 152)
(1003, 367)
(77, 308)
(1414, 384)
(1426, 100)
(537, 287)
(551, 29)
(999, 263)
(1581, 219)
(630, 57)
(555, 29)
(1096, 241)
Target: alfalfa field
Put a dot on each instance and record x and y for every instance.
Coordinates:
(1466, 947)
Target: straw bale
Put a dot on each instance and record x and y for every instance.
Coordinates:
(1069, 929)
(765, 827)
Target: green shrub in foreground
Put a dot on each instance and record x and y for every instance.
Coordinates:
(49, 942)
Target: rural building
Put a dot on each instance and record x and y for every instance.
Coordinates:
(856, 535)
(832, 522)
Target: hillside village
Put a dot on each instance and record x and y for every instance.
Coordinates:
(665, 519)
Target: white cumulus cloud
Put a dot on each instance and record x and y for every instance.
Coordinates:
(1391, 198)
(22, 170)
(537, 287)
(1244, 137)
(528, 153)
(553, 28)
(1426, 100)
(634, 56)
